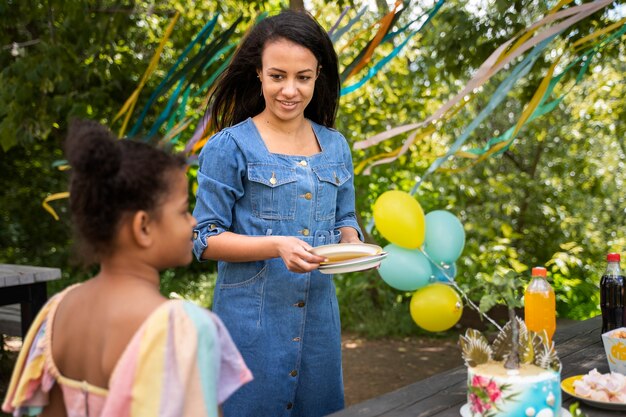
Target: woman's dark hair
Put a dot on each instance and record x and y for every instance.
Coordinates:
(237, 94)
(110, 178)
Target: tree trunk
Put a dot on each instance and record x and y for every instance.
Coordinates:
(383, 7)
(296, 4)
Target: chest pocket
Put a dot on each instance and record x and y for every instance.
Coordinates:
(330, 178)
(273, 191)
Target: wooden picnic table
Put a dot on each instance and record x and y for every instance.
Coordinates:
(579, 347)
(26, 286)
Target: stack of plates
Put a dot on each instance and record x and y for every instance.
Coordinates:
(349, 257)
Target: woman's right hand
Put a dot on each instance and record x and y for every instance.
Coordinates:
(296, 256)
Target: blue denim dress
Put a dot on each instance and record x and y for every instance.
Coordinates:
(285, 324)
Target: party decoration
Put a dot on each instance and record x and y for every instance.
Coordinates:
(436, 307)
(445, 274)
(499, 59)
(405, 269)
(400, 219)
(445, 237)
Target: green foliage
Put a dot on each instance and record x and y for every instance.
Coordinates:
(500, 288)
(184, 283)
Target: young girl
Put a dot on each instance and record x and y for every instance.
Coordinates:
(276, 181)
(114, 346)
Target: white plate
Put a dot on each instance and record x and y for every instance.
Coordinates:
(465, 412)
(342, 252)
(567, 385)
(353, 265)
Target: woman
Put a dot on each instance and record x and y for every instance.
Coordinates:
(276, 181)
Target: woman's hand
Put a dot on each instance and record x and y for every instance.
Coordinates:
(296, 256)
(349, 235)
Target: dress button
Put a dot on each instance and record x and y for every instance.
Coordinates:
(305, 232)
(296, 339)
(289, 406)
(300, 304)
(308, 196)
(195, 235)
(293, 373)
(303, 163)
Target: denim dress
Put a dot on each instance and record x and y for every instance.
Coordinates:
(285, 324)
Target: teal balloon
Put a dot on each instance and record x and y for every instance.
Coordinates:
(438, 274)
(405, 269)
(445, 237)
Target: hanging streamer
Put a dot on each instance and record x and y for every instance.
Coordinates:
(539, 105)
(53, 197)
(518, 72)
(364, 57)
(341, 16)
(201, 37)
(334, 37)
(487, 69)
(490, 67)
(381, 63)
(129, 105)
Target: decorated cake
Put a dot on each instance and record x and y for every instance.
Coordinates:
(528, 388)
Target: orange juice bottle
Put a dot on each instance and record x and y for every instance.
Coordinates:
(539, 304)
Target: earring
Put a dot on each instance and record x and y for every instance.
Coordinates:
(261, 93)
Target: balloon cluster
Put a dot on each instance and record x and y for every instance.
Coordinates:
(422, 256)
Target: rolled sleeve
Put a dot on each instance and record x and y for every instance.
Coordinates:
(346, 215)
(220, 185)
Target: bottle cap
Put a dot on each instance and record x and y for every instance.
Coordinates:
(612, 257)
(539, 271)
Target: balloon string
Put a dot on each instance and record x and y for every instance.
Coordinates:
(455, 285)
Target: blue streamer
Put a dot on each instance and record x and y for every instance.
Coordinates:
(168, 108)
(380, 64)
(343, 13)
(518, 72)
(335, 36)
(204, 33)
(544, 106)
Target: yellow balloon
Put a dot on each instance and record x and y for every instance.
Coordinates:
(400, 219)
(436, 307)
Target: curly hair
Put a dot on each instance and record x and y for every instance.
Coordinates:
(110, 178)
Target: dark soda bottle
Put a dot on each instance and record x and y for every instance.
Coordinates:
(612, 294)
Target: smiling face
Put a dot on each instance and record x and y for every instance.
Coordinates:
(288, 77)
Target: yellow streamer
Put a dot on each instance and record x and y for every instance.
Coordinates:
(199, 144)
(528, 111)
(53, 197)
(533, 104)
(413, 138)
(130, 103)
(527, 34)
(175, 130)
(594, 35)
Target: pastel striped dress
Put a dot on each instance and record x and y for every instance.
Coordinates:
(180, 362)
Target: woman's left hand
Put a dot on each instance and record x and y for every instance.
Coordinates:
(349, 235)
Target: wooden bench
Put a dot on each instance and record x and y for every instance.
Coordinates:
(22, 294)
